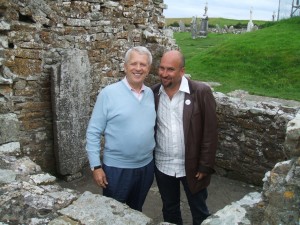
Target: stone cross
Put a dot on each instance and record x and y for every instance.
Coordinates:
(250, 23)
(273, 16)
(204, 24)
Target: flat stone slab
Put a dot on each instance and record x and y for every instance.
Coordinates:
(92, 209)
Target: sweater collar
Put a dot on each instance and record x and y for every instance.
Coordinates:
(129, 87)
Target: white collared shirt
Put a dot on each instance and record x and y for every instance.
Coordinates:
(170, 148)
(138, 95)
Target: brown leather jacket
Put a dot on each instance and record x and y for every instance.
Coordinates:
(200, 132)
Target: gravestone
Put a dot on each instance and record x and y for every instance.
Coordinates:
(226, 28)
(168, 33)
(273, 16)
(219, 29)
(181, 26)
(194, 27)
(9, 128)
(250, 26)
(70, 91)
(204, 24)
(203, 28)
(250, 23)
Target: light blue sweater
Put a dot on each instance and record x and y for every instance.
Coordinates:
(127, 125)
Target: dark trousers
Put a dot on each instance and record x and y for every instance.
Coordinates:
(169, 188)
(129, 186)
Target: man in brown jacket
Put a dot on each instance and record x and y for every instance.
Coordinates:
(186, 139)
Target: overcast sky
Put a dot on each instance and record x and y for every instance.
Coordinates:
(230, 9)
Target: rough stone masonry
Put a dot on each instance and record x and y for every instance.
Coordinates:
(30, 196)
(54, 58)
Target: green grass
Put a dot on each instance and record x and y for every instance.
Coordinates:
(213, 21)
(265, 62)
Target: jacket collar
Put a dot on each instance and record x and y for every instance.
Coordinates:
(188, 110)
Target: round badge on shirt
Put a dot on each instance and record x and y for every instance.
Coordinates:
(187, 102)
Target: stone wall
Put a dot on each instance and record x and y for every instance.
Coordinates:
(252, 136)
(38, 39)
(30, 196)
(56, 55)
(279, 201)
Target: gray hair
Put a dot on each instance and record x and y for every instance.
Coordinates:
(140, 49)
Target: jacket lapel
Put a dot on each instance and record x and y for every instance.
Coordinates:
(187, 111)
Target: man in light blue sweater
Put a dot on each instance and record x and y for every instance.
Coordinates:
(124, 113)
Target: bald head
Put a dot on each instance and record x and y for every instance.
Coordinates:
(171, 70)
(175, 55)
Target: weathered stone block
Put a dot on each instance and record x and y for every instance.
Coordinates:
(12, 148)
(21, 35)
(24, 67)
(27, 53)
(20, 85)
(9, 128)
(109, 212)
(101, 44)
(32, 125)
(75, 31)
(33, 106)
(292, 142)
(235, 213)
(71, 102)
(46, 37)
(29, 116)
(6, 90)
(127, 2)
(25, 92)
(78, 22)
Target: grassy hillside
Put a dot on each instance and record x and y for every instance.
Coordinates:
(265, 62)
(213, 21)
